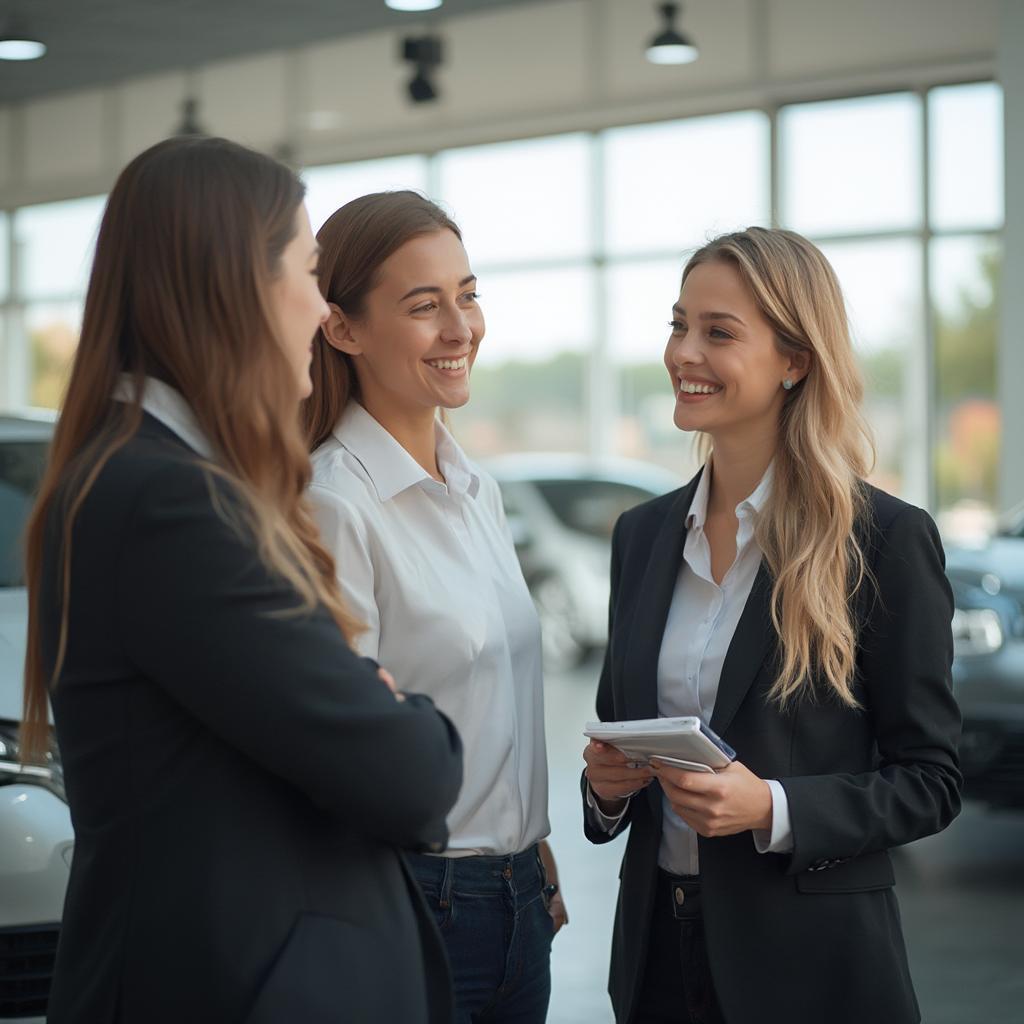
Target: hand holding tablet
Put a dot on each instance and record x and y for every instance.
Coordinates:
(683, 742)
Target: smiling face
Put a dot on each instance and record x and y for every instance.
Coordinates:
(295, 298)
(414, 347)
(725, 363)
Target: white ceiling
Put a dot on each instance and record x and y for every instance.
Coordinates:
(94, 42)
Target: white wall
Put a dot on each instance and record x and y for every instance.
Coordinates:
(541, 67)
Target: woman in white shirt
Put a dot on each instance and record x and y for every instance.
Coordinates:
(426, 561)
(802, 614)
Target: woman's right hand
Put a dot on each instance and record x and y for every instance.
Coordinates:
(612, 776)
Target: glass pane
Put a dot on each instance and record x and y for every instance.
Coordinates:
(55, 244)
(638, 301)
(881, 282)
(5, 282)
(528, 389)
(851, 165)
(966, 159)
(520, 200)
(671, 186)
(965, 290)
(53, 330)
(332, 186)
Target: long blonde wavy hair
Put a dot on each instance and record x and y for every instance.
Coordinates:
(825, 450)
(190, 242)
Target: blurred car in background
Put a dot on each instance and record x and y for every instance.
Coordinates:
(988, 666)
(561, 510)
(36, 839)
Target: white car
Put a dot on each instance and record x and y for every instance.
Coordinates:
(36, 839)
(561, 510)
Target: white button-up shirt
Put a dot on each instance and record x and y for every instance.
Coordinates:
(701, 622)
(431, 569)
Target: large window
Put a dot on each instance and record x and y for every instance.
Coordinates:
(912, 231)
(525, 211)
(579, 241)
(851, 166)
(53, 246)
(328, 188)
(966, 173)
(668, 188)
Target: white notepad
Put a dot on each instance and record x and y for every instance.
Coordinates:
(687, 740)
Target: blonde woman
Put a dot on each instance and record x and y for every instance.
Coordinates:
(802, 614)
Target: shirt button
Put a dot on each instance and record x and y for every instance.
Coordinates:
(680, 896)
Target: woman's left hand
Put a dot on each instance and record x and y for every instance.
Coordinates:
(556, 908)
(720, 804)
(555, 903)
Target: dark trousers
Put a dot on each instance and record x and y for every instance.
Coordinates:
(497, 930)
(677, 986)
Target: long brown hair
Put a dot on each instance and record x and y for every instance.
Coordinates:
(806, 529)
(354, 242)
(190, 241)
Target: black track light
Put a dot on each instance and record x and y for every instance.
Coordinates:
(425, 53)
(670, 46)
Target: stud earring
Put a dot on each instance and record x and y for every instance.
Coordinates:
(788, 384)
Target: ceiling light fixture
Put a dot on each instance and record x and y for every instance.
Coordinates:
(670, 46)
(17, 43)
(414, 5)
(426, 54)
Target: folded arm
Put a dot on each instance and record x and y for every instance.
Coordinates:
(227, 640)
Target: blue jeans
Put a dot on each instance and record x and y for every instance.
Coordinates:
(495, 923)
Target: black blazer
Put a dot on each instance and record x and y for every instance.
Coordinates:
(240, 782)
(813, 935)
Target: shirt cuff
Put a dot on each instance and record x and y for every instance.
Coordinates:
(606, 822)
(780, 838)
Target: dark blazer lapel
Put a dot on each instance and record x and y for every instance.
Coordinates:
(747, 651)
(652, 605)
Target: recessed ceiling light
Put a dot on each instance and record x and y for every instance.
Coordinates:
(18, 47)
(414, 5)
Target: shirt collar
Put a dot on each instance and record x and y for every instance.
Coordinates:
(754, 502)
(391, 468)
(167, 405)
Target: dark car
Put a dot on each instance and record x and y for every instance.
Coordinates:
(988, 668)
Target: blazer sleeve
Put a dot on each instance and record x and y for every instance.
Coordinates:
(605, 704)
(226, 639)
(905, 657)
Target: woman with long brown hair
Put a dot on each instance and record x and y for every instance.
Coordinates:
(240, 781)
(426, 559)
(801, 614)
